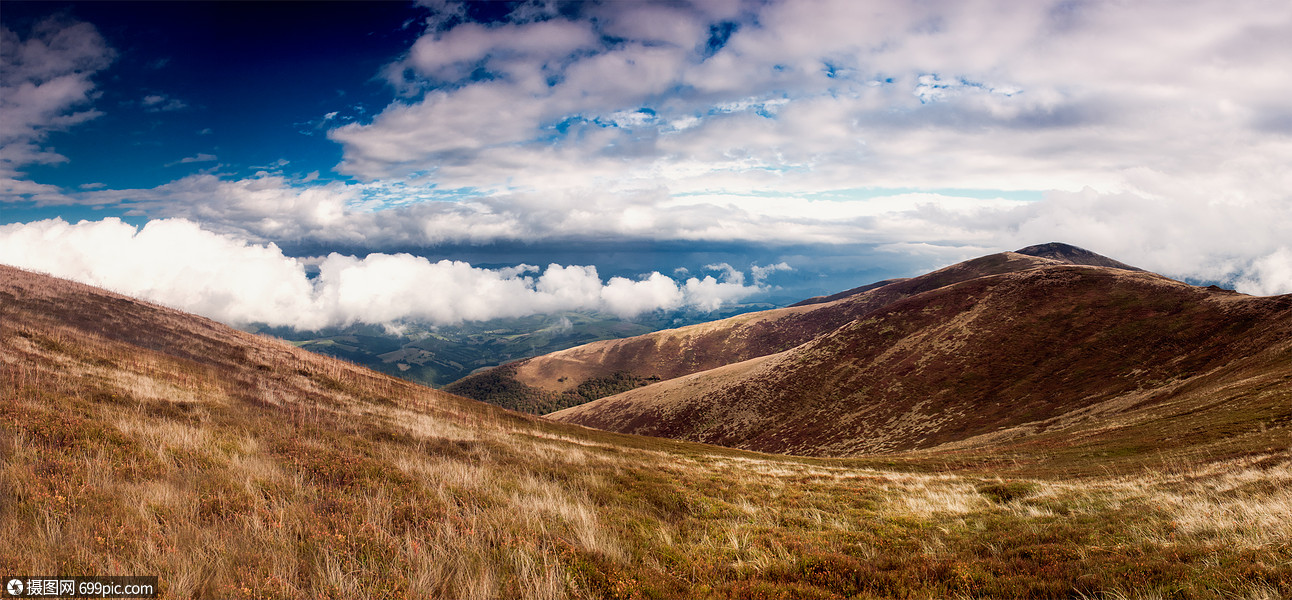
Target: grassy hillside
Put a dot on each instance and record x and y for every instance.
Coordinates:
(1054, 348)
(138, 440)
(685, 350)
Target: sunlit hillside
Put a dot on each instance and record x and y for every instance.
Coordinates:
(1070, 360)
(138, 440)
(552, 381)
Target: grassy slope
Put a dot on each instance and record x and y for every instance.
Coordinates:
(137, 440)
(1057, 347)
(682, 351)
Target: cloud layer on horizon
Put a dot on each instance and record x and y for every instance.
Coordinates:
(175, 262)
(1240, 243)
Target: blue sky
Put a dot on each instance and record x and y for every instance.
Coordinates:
(311, 164)
(228, 87)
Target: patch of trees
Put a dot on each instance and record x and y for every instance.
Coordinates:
(600, 387)
(501, 388)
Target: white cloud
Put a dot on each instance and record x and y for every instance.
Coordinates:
(675, 25)
(167, 261)
(272, 207)
(1211, 239)
(1268, 275)
(178, 263)
(625, 296)
(828, 94)
(197, 158)
(710, 293)
(44, 87)
(1183, 236)
(760, 274)
(455, 54)
(262, 208)
(726, 272)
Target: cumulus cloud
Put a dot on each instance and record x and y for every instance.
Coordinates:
(456, 54)
(45, 86)
(760, 274)
(172, 262)
(630, 297)
(711, 293)
(178, 263)
(1145, 139)
(837, 93)
(1268, 275)
(267, 207)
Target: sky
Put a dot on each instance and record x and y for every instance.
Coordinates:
(321, 164)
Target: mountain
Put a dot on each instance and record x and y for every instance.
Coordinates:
(552, 381)
(1007, 345)
(141, 440)
(1073, 255)
(1056, 251)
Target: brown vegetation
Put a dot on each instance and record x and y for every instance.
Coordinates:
(676, 352)
(1080, 354)
(137, 440)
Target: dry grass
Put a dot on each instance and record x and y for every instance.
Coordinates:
(238, 467)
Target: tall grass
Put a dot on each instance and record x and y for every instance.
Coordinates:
(239, 467)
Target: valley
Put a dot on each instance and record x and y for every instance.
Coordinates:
(439, 356)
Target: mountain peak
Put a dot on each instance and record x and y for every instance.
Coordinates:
(1074, 255)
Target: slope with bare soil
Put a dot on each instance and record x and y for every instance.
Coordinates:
(548, 381)
(986, 355)
(137, 440)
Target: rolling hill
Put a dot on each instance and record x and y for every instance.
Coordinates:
(1049, 348)
(138, 440)
(551, 381)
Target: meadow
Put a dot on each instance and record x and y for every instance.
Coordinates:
(140, 441)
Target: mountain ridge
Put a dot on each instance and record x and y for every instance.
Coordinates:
(548, 380)
(915, 374)
(1074, 255)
